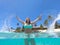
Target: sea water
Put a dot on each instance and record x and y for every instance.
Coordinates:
(38, 38)
(38, 41)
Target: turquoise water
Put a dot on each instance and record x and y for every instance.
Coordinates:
(38, 41)
(13, 35)
(38, 38)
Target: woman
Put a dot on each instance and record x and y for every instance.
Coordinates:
(28, 25)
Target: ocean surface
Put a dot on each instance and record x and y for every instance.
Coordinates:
(12, 38)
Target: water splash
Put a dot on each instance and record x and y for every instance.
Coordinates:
(6, 24)
(52, 26)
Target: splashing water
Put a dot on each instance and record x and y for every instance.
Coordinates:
(52, 26)
(6, 24)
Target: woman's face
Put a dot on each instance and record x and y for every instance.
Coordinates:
(28, 20)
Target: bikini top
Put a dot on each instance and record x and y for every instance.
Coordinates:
(26, 26)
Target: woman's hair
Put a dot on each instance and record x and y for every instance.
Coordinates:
(28, 20)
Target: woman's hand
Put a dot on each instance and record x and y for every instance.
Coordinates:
(39, 17)
(19, 20)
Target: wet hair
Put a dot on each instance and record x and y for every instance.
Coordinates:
(27, 21)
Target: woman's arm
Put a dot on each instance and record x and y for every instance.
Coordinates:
(37, 19)
(19, 20)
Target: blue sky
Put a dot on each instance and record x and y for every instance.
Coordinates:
(27, 8)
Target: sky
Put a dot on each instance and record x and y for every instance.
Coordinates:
(9, 9)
